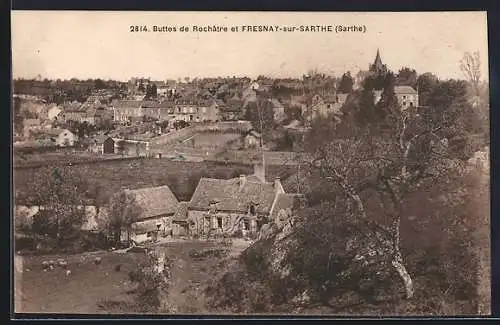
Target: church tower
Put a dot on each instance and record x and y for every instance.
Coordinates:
(378, 68)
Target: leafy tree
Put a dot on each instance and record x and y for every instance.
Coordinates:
(123, 211)
(346, 83)
(151, 91)
(407, 77)
(60, 193)
(99, 84)
(425, 84)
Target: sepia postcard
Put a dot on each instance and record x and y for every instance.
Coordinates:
(251, 163)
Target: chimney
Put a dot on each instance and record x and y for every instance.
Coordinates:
(243, 180)
(278, 188)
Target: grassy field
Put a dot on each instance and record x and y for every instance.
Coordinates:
(106, 178)
(91, 285)
(54, 292)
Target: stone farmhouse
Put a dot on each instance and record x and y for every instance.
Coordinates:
(231, 206)
(157, 206)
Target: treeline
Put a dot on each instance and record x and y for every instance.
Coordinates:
(60, 91)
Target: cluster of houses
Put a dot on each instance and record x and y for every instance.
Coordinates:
(236, 207)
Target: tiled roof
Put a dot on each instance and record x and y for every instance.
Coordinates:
(404, 90)
(231, 197)
(129, 103)
(155, 201)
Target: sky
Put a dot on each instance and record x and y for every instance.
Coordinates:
(91, 44)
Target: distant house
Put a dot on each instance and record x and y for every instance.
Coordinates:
(325, 105)
(96, 116)
(131, 110)
(54, 112)
(407, 96)
(103, 144)
(66, 138)
(58, 137)
(195, 110)
(253, 139)
(254, 85)
(75, 115)
(157, 206)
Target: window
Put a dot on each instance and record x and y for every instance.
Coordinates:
(411, 104)
(252, 209)
(219, 223)
(404, 97)
(404, 103)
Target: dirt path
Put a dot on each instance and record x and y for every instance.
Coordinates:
(189, 276)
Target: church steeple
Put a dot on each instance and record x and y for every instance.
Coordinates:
(378, 67)
(378, 60)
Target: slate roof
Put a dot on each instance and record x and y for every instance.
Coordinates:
(231, 197)
(404, 90)
(155, 201)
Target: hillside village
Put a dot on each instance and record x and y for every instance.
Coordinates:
(116, 165)
(150, 119)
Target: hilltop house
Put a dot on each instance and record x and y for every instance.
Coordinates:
(325, 105)
(407, 96)
(133, 110)
(157, 206)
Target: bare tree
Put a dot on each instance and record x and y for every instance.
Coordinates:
(471, 69)
(390, 162)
